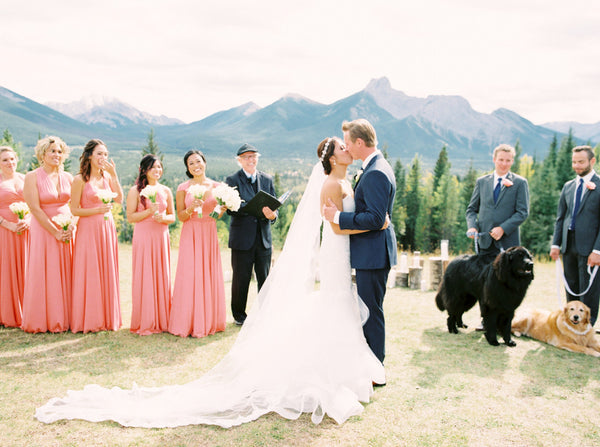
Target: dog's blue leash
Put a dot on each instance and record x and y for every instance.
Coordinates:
(560, 273)
(476, 237)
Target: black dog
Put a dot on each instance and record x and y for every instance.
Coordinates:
(500, 287)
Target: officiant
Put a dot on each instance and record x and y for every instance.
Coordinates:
(249, 235)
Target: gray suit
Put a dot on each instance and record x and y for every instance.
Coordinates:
(510, 211)
(576, 245)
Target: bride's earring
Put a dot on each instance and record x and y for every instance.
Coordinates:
(333, 162)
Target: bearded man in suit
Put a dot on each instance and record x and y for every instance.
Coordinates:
(249, 236)
(577, 230)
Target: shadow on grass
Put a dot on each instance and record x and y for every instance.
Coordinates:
(466, 353)
(548, 368)
(98, 352)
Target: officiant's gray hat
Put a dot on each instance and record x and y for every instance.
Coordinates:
(246, 148)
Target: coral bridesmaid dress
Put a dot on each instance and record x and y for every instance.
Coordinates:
(13, 258)
(151, 273)
(47, 297)
(96, 301)
(199, 295)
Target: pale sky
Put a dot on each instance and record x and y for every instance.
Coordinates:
(188, 59)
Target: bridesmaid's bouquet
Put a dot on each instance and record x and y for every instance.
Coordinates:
(228, 196)
(20, 209)
(149, 192)
(64, 221)
(197, 192)
(106, 196)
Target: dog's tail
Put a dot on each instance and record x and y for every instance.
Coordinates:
(439, 300)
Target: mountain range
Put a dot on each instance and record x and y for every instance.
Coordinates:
(293, 125)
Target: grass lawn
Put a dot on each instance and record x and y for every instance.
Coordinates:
(443, 389)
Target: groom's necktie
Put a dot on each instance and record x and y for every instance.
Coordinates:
(577, 204)
(497, 189)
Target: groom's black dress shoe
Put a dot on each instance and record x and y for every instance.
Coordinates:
(378, 385)
(238, 323)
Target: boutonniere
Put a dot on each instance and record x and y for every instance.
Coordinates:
(357, 176)
(590, 185)
(506, 182)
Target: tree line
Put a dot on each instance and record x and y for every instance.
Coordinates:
(429, 206)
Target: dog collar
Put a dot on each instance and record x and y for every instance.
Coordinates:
(589, 327)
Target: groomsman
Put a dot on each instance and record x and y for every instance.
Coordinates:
(499, 204)
(577, 229)
(249, 236)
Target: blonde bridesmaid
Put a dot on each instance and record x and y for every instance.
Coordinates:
(150, 208)
(96, 302)
(14, 240)
(199, 294)
(47, 191)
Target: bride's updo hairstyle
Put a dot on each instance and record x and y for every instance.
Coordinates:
(325, 151)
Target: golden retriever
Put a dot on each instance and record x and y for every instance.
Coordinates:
(568, 328)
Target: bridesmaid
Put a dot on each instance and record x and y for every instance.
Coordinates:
(199, 294)
(47, 191)
(14, 241)
(96, 303)
(151, 253)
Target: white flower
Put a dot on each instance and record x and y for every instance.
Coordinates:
(63, 220)
(197, 191)
(149, 192)
(228, 196)
(357, 176)
(106, 195)
(19, 208)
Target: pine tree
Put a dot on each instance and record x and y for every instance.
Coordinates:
(552, 153)
(152, 148)
(413, 203)
(518, 151)
(459, 242)
(564, 170)
(399, 214)
(438, 211)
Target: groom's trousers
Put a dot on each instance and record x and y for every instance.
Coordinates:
(371, 286)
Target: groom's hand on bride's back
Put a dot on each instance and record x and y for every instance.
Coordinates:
(387, 222)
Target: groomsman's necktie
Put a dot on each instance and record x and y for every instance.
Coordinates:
(497, 189)
(577, 203)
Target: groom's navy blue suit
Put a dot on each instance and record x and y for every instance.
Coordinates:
(373, 253)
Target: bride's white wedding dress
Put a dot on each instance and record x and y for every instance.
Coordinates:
(300, 349)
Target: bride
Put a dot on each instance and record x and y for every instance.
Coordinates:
(301, 349)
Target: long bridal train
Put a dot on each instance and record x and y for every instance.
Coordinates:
(300, 350)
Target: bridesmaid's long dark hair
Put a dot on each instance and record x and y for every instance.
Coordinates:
(85, 165)
(142, 180)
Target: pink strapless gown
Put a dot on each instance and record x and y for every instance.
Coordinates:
(47, 297)
(199, 295)
(151, 273)
(96, 301)
(13, 258)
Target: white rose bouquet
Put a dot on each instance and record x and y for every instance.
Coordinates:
(228, 196)
(20, 209)
(149, 192)
(106, 196)
(197, 192)
(63, 221)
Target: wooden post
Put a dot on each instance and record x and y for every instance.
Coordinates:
(414, 277)
(436, 272)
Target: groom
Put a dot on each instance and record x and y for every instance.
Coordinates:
(371, 253)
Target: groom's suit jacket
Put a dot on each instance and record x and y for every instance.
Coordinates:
(374, 198)
(510, 211)
(587, 227)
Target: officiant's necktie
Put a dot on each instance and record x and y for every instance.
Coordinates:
(577, 204)
(497, 189)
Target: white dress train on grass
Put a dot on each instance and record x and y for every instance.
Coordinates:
(300, 350)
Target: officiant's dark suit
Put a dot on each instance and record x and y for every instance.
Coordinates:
(508, 211)
(577, 232)
(374, 252)
(249, 236)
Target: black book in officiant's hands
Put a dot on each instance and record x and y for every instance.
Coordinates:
(262, 199)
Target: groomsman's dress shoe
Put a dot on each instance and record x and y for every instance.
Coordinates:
(238, 322)
(377, 385)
